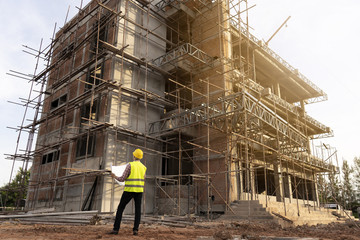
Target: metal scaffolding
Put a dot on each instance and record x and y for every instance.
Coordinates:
(215, 124)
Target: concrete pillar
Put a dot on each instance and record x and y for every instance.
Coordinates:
(315, 190)
(241, 179)
(277, 89)
(302, 105)
(288, 187)
(252, 181)
(278, 182)
(233, 191)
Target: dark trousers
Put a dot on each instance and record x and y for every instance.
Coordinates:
(125, 199)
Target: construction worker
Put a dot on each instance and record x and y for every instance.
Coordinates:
(134, 177)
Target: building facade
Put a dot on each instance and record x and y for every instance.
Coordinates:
(219, 115)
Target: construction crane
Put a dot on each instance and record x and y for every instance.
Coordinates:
(267, 42)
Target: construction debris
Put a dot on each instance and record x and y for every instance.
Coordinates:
(155, 231)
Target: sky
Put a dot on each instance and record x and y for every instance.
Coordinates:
(321, 39)
(23, 22)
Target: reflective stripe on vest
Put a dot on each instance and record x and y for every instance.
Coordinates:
(135, 181)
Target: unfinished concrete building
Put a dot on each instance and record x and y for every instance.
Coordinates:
(219, 115)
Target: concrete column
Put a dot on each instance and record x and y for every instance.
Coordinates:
(278, 182)
(240, 173)
(234, 164)
(252, 181)
(315, 190)
(241, 178)
(277, 89)
(302, 105)
(288, 187)
(233, 194)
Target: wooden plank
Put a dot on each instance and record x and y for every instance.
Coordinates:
(53, 223)
(49, 214)
(54, 220)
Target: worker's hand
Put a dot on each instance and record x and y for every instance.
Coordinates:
(113, 175)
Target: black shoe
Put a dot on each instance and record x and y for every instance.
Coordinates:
(135, 232)
(113, 232)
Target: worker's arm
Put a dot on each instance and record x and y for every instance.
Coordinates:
(125, 174)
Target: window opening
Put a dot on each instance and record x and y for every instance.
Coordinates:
(50, 157)
(93, 77)
(58, 102)
(86, 114)
(81, 150)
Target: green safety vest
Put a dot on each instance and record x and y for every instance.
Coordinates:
(135, 181)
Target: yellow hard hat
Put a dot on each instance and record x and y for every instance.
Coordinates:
(138, 153)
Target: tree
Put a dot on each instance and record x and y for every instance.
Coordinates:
(356, 178)
(334, 187)
(324, 189)
(13, 192)
(347, 188)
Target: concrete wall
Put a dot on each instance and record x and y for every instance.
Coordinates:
(124, 111)
(129, 112)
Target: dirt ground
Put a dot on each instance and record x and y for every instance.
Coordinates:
(218, 230)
